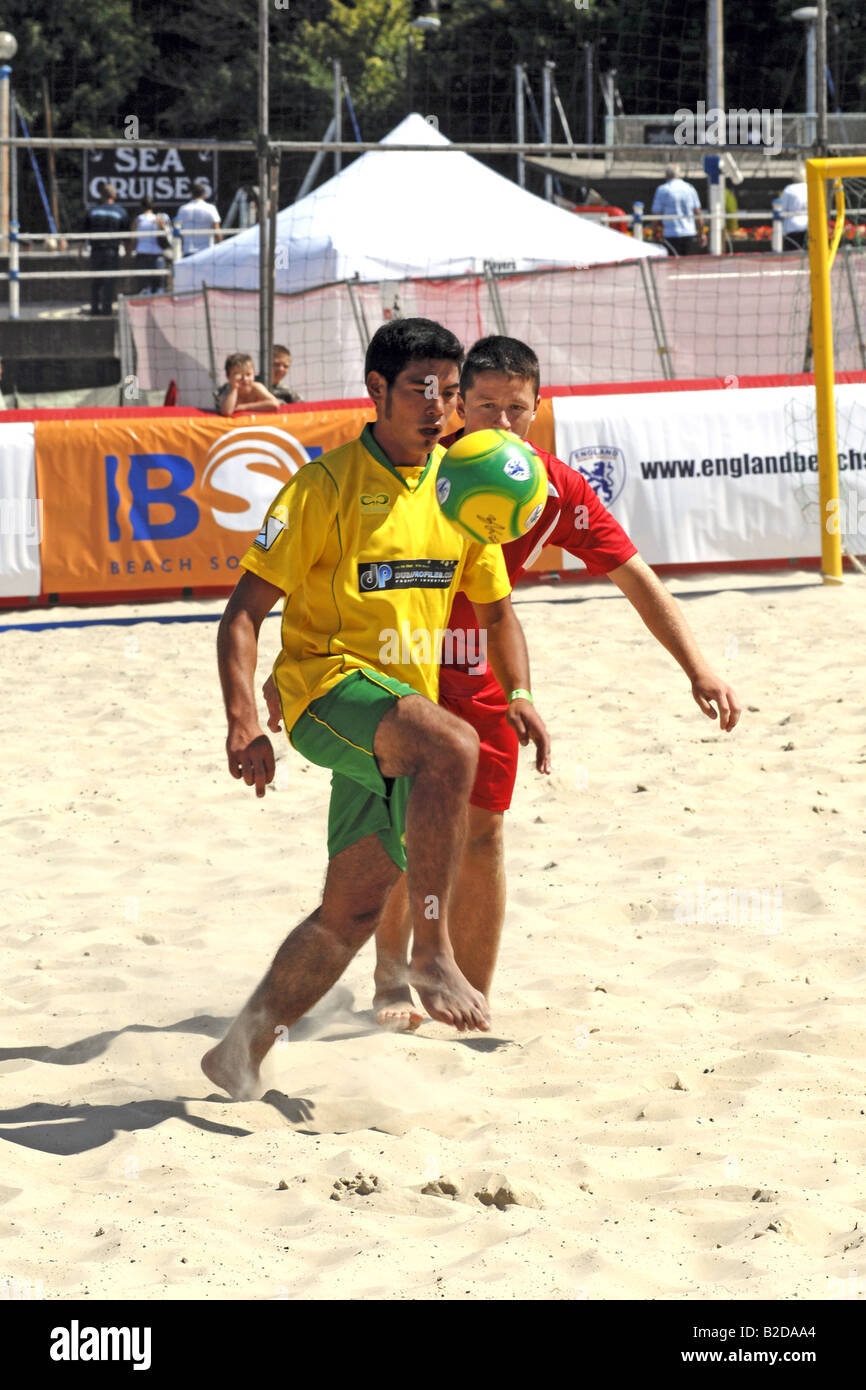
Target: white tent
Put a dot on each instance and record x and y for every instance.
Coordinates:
(411, 215)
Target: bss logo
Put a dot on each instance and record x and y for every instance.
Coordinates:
(243, 471)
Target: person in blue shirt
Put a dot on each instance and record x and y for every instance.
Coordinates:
(105, 255)
(678, 202)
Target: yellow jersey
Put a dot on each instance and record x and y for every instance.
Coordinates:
(370, 567)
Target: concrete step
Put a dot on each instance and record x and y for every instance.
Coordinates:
(58, 354)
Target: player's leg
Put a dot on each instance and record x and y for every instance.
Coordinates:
(438, 751)
(393, 1004)
(311, 959)
(478, 906)
(475, 923)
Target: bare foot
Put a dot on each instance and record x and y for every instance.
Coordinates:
(394, 1009)
(228, 1065)
(447, 995)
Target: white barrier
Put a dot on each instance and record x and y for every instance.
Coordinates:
(20, 513)
(700, 477)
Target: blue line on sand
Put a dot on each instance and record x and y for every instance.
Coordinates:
(118, 622)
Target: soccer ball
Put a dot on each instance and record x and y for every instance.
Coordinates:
(492, 485)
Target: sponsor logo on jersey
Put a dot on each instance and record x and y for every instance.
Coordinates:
(517, 468)
(604, 467)
(406, 574)
(375, 502)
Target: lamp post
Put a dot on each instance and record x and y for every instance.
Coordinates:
(424, 24)
(8, 49)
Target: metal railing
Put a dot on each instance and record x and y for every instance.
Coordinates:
(15, 276)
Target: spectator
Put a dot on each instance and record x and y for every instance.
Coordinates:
(795, 204)
(678, 201)
(105, 255)
(198, 221)
(281, 361)
(149, 247)
(242, 393)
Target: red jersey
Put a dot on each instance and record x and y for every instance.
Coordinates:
(574, 519)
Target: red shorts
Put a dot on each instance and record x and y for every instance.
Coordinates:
(481, 701)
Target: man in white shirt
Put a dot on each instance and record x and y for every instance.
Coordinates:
(198, 222)
(795, 204)
(678, 202)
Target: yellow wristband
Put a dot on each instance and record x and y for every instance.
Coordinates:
(520, 695)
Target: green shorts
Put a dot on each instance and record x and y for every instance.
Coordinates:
(337, 731)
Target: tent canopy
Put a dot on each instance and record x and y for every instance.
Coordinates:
(411, 215)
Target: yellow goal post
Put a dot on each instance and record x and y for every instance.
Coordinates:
(822, 252)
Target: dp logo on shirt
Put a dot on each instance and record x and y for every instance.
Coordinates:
(374, 576)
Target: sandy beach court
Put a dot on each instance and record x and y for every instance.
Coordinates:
(670, 1104)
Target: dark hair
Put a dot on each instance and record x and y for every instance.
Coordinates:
(278, 347)
(238, 359)
(401, 341)
(499, 354)
(199, 188)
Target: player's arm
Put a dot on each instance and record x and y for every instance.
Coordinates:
(249, 750)
(507, 654)
(666, 621)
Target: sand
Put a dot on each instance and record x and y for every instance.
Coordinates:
(671, 1102)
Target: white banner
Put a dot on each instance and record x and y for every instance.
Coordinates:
(703, 476)
(20, 513)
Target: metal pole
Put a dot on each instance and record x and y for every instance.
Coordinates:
(5, 74)
(715, 54)
(588, 55)
(607, 86)
(778, 242)
(14, 287)
(338, 113)
(264, 187)
(52, 170)
(273, 198)
(210, 347)
(716, 101)
(521, 122)
(822, 341)
(855, 309)
(810, 84)
(821, 63)
(547, 117)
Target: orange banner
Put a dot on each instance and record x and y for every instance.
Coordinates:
(143, 503)
(140, 503)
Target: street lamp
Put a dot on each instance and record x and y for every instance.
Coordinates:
(424, 24)
(8, 49)
(809, 15)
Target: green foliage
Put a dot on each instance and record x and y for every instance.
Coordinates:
(91, 55)
(369, 38)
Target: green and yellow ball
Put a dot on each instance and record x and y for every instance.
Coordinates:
(492, 485)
